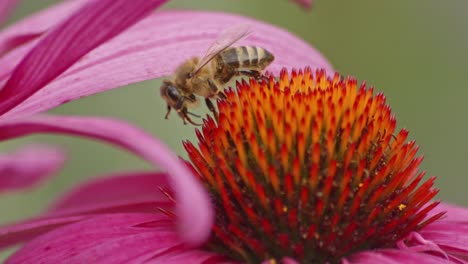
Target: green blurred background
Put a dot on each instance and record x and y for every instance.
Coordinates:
(414, 51)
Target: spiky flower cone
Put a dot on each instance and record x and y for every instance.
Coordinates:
(309, 167)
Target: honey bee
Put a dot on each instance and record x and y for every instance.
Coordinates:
(206, 76)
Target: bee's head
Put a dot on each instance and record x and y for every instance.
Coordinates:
(170, 94)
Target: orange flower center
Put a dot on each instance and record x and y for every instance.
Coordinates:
(309, 167)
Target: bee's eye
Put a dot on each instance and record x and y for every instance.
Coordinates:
(173, 93)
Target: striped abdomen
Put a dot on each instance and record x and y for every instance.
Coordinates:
(246, 57)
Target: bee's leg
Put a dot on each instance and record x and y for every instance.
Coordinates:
(193, 114)
(191, 122)
(253, 74)
(211, 107)
(168, 111)
(214, 88)
(184, 115)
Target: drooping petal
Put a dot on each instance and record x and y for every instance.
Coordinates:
(16, 233)
(395, 256)
(6, 6)
(93, 24)
(28, 166)
(125, 192)
(193, 209)
(34, 25)
(116, 238)
(155, 47)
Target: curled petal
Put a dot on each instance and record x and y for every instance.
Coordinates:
(28, 166)
(34, 25)
(125, 192)
(155, 47)
(194, 212)
(6, 6)
(93, 24)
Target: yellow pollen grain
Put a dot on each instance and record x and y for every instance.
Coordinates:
(401, 207)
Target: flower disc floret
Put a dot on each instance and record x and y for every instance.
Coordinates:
(311, 167)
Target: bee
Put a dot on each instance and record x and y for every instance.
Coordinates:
(206, 76)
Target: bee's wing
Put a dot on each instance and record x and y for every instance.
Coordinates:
(226, 39)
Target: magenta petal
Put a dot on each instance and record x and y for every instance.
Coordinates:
(193, 205)
(34, 25)
(450, 236)
(116, 238)
(155, 47)
(92, 25)
(28, 166)
(184, 255)
(454, 212)
(126, 192)
(6, 6)
(13, 234)
(395, 256)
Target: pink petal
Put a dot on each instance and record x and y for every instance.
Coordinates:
(116, 238)
(184, 255)
(28, 166)
(125, 192)
(454, 212)
(450, 236)
(155, 47)
(13, 234)
(92, 25)
(33, 26)
(396, 256)
(6, 6)
(112, 238)
(193, 209)
(131, 192)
